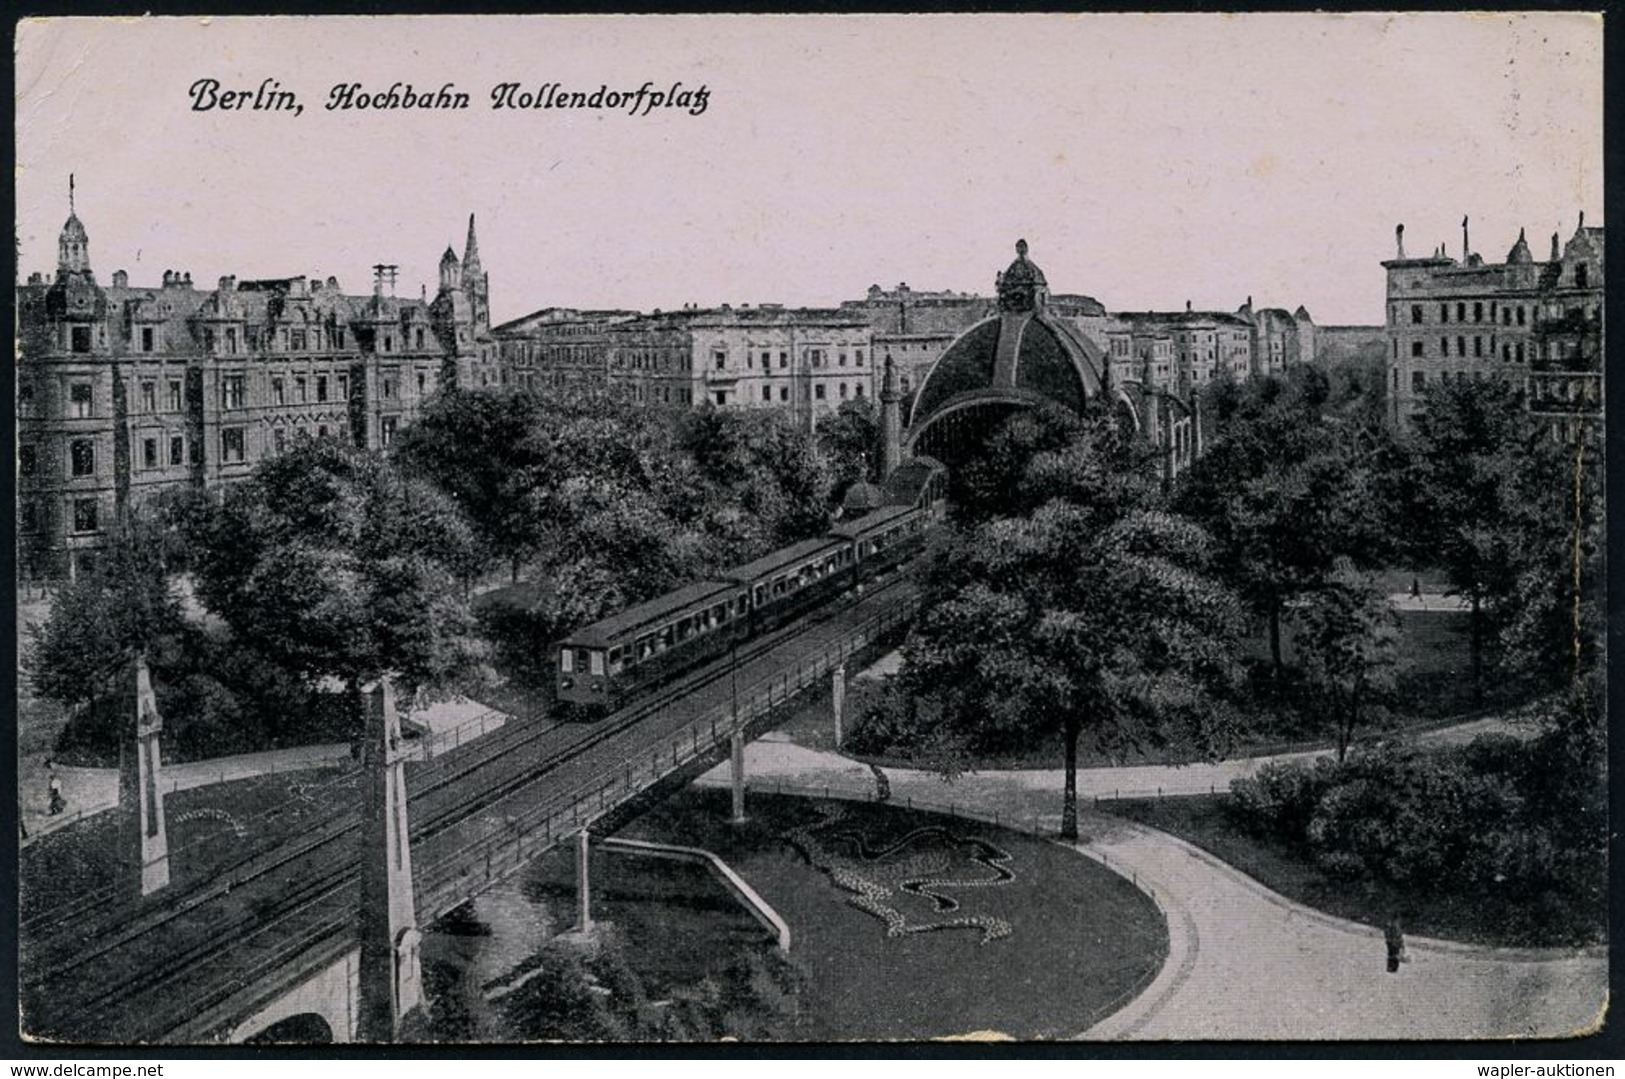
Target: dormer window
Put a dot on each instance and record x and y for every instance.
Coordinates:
(1581, 276)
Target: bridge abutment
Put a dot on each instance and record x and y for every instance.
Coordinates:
(390, 971)
(141, 794)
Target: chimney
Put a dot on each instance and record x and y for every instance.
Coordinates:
(1555, 255)
(1399, 240)
(1187, 307)
(1465, 249)
(169, 275)
(121, 279)
(188, 279)
(1582, 219)
(227, 285)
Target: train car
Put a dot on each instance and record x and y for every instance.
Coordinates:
(883, 538)
(791, 581)
(605, 663)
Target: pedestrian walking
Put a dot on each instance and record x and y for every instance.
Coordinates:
(1416, 588)
(58, 803)
(1394, 937)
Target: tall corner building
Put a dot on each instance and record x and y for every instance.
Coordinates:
(125, 391)
(1536, 325)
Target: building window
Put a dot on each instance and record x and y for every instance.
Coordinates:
(149, 453)
(279, 392)
(79, 338)
(722, 397)
(387, 387)
(231, 339)
(321, 430)
(422, 383)
(719, 358)
(231, 391)
(1520, 351)
(1478, 346)
(321, 387)
(231, 444)
(1478, 311)
(818, 391)
(279, 439)
(1416, 313)
(301, 433)
(767, 359)
(1461, 346)
(858, 389)
(299, 389)
(389, 341)
(344, 387)
(1444, 312)
(418, 337)
(386, 431)
(784, 360)
(857, 356)
(177, 450)
(767, 393)
(82, 455)
(1416, 348)
(1520, 316)
(27, 460)
(841, 389)
(840, 358)
(816, 356)
(1461, 311)
(79, 400)
(149, 397)
(146, 339)
(1582, 276)
(84, 515)
(1419, 381)
(174, 395)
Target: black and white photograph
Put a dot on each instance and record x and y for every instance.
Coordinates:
(808, 529)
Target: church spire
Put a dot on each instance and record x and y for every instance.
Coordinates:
(471, 250)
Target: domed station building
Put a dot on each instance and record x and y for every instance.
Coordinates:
(1021, 357)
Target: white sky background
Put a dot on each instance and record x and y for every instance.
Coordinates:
(1147, 159)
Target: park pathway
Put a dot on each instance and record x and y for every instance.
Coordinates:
(1244, 962)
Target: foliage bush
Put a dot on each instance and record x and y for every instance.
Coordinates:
(1472, 821)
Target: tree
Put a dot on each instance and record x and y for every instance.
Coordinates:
(120, 607)
(331, 562)
(485, 450)
(1349, 644)
(990, 485)
(1480, 499)
(1285, 493)
(1092, 617)
(849, 439)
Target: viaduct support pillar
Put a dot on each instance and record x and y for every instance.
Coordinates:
(391, 973)
(837, 696)
(584, 883)
(141, 788)
(736, 754)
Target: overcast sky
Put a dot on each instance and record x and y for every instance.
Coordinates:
(1146, 159)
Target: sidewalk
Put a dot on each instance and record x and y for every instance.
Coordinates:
(1243, 961)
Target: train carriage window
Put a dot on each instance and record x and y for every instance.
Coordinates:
(663, 638)
(567, 660)
(719, 614)
(595, 662)
(617, 660)
(743, 603)
(685, 629)
(581, 659)
(761, 594)
(646, 647)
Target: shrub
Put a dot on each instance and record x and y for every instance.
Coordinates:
(1280, 798)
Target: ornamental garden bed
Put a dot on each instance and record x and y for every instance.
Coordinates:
(911, 925)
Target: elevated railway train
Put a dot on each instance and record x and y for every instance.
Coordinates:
(609, 662)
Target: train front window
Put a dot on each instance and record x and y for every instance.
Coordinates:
(617, 659)
(567, 660)
(595, 662)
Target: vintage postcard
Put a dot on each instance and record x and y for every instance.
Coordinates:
(806, 529)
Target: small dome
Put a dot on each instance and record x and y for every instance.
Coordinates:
(1023, 271)
(861, 498)
(1519, 255)
(73, 229)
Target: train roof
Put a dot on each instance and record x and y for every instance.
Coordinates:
(606, 630)
(768, 564)
(870, 521)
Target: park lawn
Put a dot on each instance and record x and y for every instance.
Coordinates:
(80, 864)
(1484, 919)
(1084, 940)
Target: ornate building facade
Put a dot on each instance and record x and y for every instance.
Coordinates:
(1535, 324)
(125, 391)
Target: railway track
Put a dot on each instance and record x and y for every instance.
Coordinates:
(446, 794)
